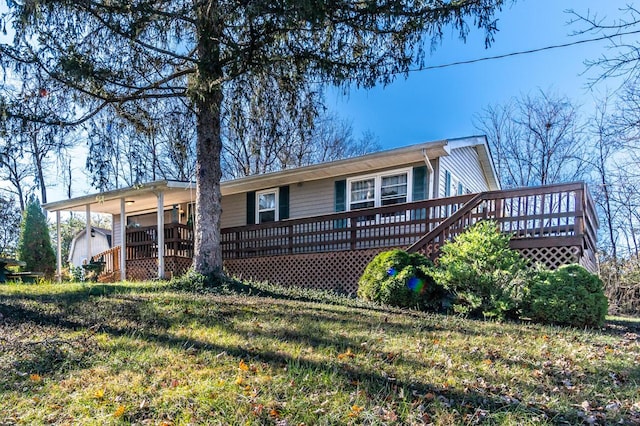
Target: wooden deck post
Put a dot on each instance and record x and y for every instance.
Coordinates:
(123, 241)
(58, 248)
(579, 208)
(160, 239)
(88, 232)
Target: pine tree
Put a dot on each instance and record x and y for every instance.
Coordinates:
(34, 247)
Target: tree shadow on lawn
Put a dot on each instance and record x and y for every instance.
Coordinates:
(354, 377)
(378, 385)
(76, 293)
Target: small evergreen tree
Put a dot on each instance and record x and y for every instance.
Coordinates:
(34, 247)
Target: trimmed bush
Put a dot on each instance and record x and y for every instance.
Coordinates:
(570, 295)
(398, 278)
(486, 277)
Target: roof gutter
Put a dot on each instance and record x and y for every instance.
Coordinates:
(429, 167)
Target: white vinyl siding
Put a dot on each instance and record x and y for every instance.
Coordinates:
(464, 166)
(115, 225)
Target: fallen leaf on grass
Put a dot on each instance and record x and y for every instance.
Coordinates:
(119, 411)
(99, 394)
(243, 366)
(355, 410)
(35, 378)
(346, 355)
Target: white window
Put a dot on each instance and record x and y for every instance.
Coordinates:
(379, 190)
(393, 189)
(267, 206)
(363, 194)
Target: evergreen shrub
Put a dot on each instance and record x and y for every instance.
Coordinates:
(398, 278)
(485, 276)
(34, 246)
(571, 295)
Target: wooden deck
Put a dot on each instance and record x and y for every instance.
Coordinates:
(554, 225)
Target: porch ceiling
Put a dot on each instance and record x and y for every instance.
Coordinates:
(143, 198)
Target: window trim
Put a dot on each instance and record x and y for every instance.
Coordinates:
(276, 209)
(377, 185)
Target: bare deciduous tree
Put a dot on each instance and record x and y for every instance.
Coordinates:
(535, 140)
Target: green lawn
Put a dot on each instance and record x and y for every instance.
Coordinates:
(141, 353)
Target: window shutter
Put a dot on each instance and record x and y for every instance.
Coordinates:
(251, 207)
(447, 183)
(340, 195)
(283, 202)
(459, 188)
(420, 184)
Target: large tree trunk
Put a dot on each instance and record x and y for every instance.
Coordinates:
(207, 97)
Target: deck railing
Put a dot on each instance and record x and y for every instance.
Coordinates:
(111, 259)
(389, 226)
(142, 242)
(546, 216)
(558, 214)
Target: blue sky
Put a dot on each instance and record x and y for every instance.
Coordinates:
(440, 104)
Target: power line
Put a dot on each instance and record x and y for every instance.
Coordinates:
(522, 52)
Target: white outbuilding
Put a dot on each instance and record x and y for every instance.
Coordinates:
(100, 242)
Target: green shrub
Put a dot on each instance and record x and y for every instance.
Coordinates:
(191, 281)
(570, 295)
(34, 246)
(398, 278)
(484, 274)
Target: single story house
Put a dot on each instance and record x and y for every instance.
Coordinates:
(321, 224)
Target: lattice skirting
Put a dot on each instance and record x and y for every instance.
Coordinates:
(337, 271)
(147, 269)
(142, 269)
(340, 271)
(176, 266)
(552, 257)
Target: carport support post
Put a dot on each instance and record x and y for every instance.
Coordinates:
(160, 234)
(88, 232)
(123, 241)
(58, 248)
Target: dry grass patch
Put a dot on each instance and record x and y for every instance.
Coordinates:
(144, 354)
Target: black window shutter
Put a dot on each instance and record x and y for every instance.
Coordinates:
(420, 184)
(251, 207)
(283, 202)
(340, 195)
